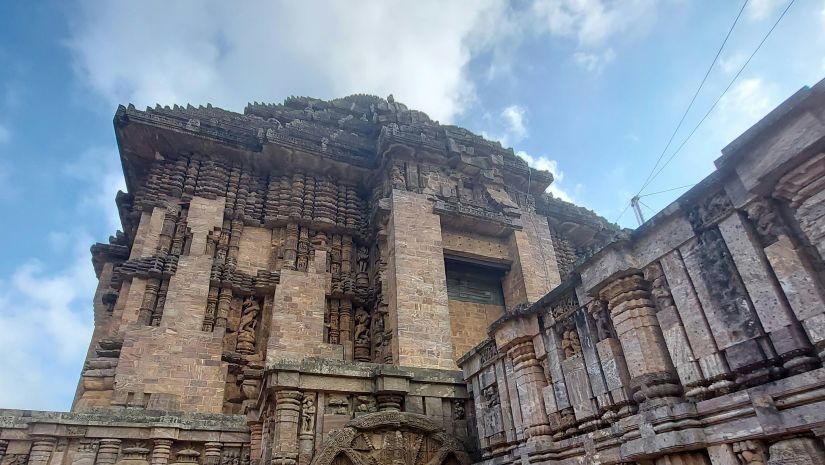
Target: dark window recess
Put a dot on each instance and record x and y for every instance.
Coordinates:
(474, 283)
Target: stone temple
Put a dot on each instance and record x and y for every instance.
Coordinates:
(348, 282)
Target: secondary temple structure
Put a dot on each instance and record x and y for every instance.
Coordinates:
(348, 282)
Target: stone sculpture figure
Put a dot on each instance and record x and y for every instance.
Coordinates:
(362, 319)
(570, 343)
(598, 310)
(308, 410)
(246, 328)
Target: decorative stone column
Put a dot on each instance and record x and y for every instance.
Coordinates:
(530, 381)
(107, 451)
(3, 446)
(287, 409)
(147, 305)
(793, 451)
(255, 432)
(749, 249)
(41, 451)
(389, 402)
(798, 284)
(636, 325)
(160, 451)
(515, 336)
(674, 334)
(211, 453)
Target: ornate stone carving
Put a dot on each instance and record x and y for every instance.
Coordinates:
(570, 344)
(308, 410)
(391, 438)
(248, 325)
(766, 220)
(601, 319)
(709, 211)
(634, 319)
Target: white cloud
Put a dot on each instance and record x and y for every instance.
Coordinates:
(515, 117)
(758, 10)
(46, 312)
(546, 164)
(228, 53)
(45, 326)
(594, 62)
(593, 22)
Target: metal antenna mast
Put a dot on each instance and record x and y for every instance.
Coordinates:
(634, 202)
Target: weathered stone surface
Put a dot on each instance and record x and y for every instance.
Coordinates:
(269, 258)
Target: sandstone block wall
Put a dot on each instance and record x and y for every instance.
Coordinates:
(420, 305)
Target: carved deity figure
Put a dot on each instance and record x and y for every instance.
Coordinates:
(363, 259)
(362, 327)
(246, 328)
(570, 343)
(598, 310)
(766, 221)
(308, 410)
(458, 410)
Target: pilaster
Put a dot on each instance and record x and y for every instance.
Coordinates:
(634, 318)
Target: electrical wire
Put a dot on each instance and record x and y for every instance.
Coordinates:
(765, 38)
(692, 100)
(668, 190)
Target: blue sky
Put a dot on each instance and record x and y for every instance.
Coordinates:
(590, 89)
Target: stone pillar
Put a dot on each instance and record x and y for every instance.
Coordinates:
(389, 402)
(683, 458)
(41, 451)
(674, 333)
(107, 451)
(211, 453)
(4, 444)
(160, 451)
(796, 280)
(530, 382)
(147, 305)
(634, 320)
(255, 438)
(745, 245)
(796, 451)
(287, 408)
(698, 332)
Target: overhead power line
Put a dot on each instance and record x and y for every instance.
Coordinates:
(730, 84)
(693, 100)
(668, 190)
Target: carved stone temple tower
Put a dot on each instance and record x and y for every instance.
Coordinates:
(350, 283)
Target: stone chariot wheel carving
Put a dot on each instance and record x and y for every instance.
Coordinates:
(391, 438)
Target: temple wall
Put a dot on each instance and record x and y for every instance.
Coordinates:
(298, 288)
(683, 336)
(420, 305)
(469, 322)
